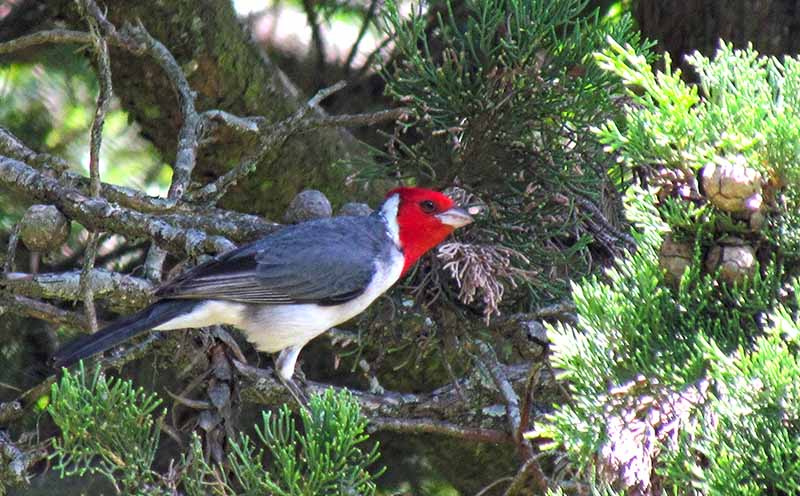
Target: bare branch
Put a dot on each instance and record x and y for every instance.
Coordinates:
(186, 155)
(103, 102)
(350, 120)
(16, 462)
(442, 411)
(373, 6)
(241, 124)
(138, 40)
(85, 288)
(99, 214)
(44, 37)
(30, 307)
(95, 142)
(501, 381)
(430, 426)
(316, 34)
(234, 225)
(273, 136)
(154, 263)
(122, 39)
(124, 291)
(319, 97)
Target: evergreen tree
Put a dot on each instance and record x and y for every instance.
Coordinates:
(683, 364)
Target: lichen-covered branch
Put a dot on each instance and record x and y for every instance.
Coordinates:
(444, 410)
(41, 310)
(272, 137)
(99, 214)
(43, 37)
(124, 291)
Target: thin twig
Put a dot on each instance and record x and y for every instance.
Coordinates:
(431, 426)
(353, 120)
(525, 409)
(275, 135)
(496, 371)
(137, 39)
(319, 97)
(87, 295)
(494, 484)
(373, 6)
(241, 124)
(103, 102)
(272, 137)
(95, 143)
(43, 37)
(121, 38)
(316, 35)
(601, 227)
(529, 469)
(372, 56)
(186, 155)
(441, 411)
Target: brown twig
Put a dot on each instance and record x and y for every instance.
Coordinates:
(601, 228)
(529, 470)
(525, 409)
(316, 35)
(370, 15)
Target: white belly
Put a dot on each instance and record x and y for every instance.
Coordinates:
(272, 328)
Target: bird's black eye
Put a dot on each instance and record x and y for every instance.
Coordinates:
(427, 206)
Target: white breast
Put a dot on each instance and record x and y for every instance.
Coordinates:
(273, 328)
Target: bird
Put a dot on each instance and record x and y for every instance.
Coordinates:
(294, 284)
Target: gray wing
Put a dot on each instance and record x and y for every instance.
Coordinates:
(326, 262)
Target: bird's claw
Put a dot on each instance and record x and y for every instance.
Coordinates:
(297, 392)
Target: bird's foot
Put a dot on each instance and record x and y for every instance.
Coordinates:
(297, 392)
(285, 370)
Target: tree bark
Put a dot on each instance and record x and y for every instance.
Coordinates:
(229, 72)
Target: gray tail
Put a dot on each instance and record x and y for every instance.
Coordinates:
(121, 330)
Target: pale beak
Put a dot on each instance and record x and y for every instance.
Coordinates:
(455, 217)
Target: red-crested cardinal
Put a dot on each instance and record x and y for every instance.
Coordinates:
(287, 288)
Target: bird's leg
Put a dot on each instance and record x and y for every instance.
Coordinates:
(284, 366)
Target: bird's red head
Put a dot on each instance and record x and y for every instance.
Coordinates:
(424, 219)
